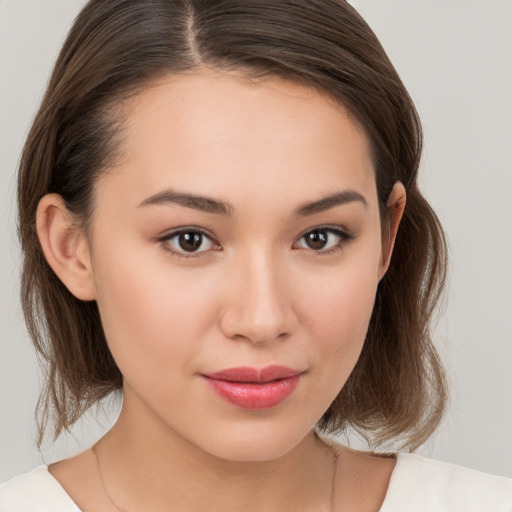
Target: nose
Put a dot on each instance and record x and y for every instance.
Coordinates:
(258, 306)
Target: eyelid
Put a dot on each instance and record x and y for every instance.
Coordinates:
(328, 227)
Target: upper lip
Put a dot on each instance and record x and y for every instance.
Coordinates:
(255, 375)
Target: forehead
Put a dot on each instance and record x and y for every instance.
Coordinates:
(216, 133)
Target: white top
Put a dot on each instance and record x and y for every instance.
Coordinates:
(417, 485)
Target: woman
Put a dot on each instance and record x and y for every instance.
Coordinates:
(220, 219)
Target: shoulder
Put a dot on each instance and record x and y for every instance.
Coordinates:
(425, 485)
(36, 491)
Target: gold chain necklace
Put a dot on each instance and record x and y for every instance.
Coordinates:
(317, 437)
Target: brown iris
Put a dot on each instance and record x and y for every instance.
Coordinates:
(316, 239)
(190, 241)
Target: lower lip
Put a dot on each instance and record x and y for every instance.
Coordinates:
(254, 396)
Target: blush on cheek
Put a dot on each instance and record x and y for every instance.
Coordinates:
(342, 318)
(150, 316)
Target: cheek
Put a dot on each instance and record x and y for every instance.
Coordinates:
(154, 318)
(339, 309)
(341, 331)
(343, 310)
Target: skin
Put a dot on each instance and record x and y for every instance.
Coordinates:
(254, 294)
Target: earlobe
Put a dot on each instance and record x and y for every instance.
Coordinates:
(65, 246)
(395, 210)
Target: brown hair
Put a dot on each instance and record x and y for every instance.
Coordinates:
(116, 48)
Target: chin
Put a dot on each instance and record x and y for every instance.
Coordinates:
(252, 443)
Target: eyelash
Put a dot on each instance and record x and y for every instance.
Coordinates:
(343, 235)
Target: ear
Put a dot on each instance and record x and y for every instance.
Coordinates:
(395, 209)
(65, 246)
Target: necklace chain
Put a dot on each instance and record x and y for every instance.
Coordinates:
(335, 456)
(103, 483)
(317, 437)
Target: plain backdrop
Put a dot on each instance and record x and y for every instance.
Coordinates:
(455, 57)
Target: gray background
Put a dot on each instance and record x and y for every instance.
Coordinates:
(455, 58)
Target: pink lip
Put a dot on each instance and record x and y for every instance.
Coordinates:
(253, 388)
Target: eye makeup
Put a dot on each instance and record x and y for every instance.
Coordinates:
(179, 240)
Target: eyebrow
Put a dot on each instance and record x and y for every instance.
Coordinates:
(326, 203)
(210, 205)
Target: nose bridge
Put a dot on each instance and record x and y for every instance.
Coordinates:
(259, 309)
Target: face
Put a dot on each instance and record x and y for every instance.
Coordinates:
(258, 269)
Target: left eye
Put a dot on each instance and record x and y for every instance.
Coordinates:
(324, 239)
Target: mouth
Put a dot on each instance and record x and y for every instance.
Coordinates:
(254, 375)
(254, 388)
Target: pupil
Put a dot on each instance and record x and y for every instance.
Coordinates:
(190, 241)
(317, 239)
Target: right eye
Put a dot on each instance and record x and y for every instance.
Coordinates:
(187, 243)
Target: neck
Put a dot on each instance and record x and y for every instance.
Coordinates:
(147, 466)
